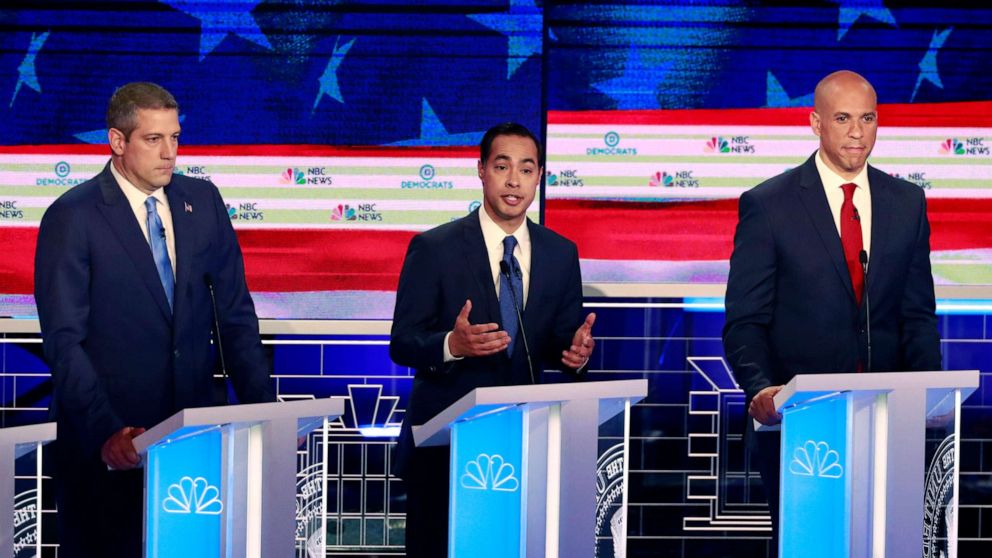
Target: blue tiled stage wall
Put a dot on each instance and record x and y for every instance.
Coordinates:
(688, 470)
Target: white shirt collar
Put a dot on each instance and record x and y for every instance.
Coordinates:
(493, 234)
(832, 180)
(135, 197)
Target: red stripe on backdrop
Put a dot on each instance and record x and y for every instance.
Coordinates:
(275, 260)
(325, 260)
(975, 114)
(686, 231)
(259, 151)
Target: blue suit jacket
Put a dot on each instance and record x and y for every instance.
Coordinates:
(443, 268)
(119, 357)
(790, 303)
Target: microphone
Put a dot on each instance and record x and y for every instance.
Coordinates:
(863, 257)
(222, 389)
(857, 216)
(504, 268)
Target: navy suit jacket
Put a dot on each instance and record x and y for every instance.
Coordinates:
(790, 302)
(119, 357)
(448, 265)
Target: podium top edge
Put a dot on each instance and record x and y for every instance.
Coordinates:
(886, 380)
(244, 413)
(634, 390)
(43, 432)
(554, 393)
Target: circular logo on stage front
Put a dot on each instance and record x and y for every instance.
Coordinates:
(610, 522)
(940, 505)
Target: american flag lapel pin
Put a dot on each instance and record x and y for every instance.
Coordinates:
(189, 208)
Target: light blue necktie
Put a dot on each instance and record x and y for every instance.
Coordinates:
(516, 282)
(160, 250)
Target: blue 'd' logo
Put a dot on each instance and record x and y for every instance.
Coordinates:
(611, 139)
(427, 172)
(62, 169)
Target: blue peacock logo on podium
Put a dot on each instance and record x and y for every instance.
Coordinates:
(816, 459)
(487, 472)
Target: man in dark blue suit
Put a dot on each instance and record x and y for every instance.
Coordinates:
(456, 324)
(122, 275)
(798, 299)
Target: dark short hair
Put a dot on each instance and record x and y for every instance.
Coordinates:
(122, 112)
(506, 129)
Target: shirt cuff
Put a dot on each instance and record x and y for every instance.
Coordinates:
(448, 357)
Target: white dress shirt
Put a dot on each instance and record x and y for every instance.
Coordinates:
(136, 198)
(493, 235)
(832, 183)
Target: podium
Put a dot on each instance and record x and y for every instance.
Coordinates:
(870, 463)
(523, 465)
(20, 525)
(221, 481)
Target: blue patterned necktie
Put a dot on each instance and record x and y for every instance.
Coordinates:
(160, 250)
(516, 282)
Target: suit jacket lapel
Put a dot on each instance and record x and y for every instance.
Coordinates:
(538, 275)
(881, 216)
(814, 200)
(181, 225)
(476, 254)
(119, 215)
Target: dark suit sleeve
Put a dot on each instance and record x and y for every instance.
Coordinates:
(568, 316)
(918, 335)
(62, 285)
(417, 335)
(246, 361)
(750, 298)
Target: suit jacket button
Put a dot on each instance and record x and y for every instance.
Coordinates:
(433, 368)
(175, 353)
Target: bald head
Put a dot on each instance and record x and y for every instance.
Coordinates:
(837, 82)
(845, 117)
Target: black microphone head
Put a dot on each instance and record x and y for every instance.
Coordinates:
(863, 257)
(504, 268)
(208, 280)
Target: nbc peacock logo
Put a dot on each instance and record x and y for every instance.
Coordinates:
(490, 472)
(293, 176)
(343, 212)
(661, 178)
(952, 146)
(816, 459)
(717, 145)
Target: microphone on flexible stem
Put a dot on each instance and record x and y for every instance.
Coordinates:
(504, 268)
(863, 257)
(222, 388)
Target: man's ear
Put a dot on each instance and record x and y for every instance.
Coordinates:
(117, 140)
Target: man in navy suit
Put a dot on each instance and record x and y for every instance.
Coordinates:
(798, 298)
(456, 324)
(123, 270)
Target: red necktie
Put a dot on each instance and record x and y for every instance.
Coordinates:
(850, 238)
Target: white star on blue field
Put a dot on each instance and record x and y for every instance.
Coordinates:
(433, 132)
(522, 26)
(219, 18)
(26, 74)
(329, 79)
(777, 96)
(851, 10)
(635, 88)
(928, 65)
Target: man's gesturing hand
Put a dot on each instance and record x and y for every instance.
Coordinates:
(762, 407)
(118, 451)
(467, 340)
(582, 345)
